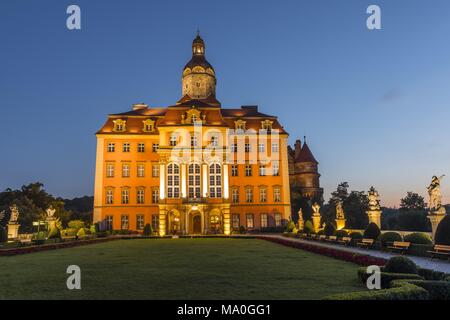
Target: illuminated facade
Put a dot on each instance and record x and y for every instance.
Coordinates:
(193, 167)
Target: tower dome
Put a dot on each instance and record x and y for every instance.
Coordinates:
(199, 78)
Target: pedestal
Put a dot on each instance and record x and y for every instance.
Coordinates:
(316, 222)
(13, 231)
(51, 224)
(340, 224)
(375, 217)
(300, 224)
(435, 218)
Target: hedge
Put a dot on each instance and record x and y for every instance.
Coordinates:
(387, 277)
(443, 232)
(418, 238)
(390, 237)
(438, 290)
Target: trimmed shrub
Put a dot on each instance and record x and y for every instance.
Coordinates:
(308, 228)
(329, 229)
(429, 274)
(76, 224)
(93, 229)
(290, 226)
(372, 231)
(390, 237)
(3, 235)
(81, 233)
(438, 290)
(242, 230)
(148, 230)
(443, 232)
(341, 233)
(418, 238)
(387, 277)
(54, 234)
(356, 235)
(400, 265)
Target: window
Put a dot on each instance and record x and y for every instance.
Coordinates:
(276, 195)
(141, 170)
(277, 219)
(234, 170)
(173, 140)
(194, 181)
(141, 147)
(235, 195)
(140, 196)
(215, 141)
(155, 222)
(248, 170)
(215, 181)
(234, 147)
(262, 170)
(124, 223)
(155, 196)
(155, 170)
(125, 196)
(235, 221)
(239, 125)
(262, 195)
(249, 195)
(274, 147)
(275, 168)
(155, 147)
(111, 147)
(247, 147)
(125, 170)
(149, 125)
(109, 222)
(139, 221)
(261, 147)
(249, 221)
(110, 170)
(266, 125)
(126, 147)
(193, 141)
(109, 196)
(173, 181)
(263, 220)
(119, 125)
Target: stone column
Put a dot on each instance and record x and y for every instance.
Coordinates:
(316, 222)
(204, 180)
(301, 222)
(13, 231)
(435, 217)
(183, 181)
(226, 221)
(340, 224)
(162, 222)
(226, 188)
(162, 181)
(375, 217)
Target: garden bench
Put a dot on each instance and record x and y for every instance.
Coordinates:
(322, 237)
(345, 241)
(68, 237)
(365, 243)
(399, 246)
(332, 239)
(440, 250)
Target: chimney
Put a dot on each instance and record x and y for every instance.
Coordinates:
(298, 148)
(139, 106)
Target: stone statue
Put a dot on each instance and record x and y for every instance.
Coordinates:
(316, 208)
(339, 211)
(14, 214)
(374, 202)
(434, 191)
(300, 222)
(50, 213)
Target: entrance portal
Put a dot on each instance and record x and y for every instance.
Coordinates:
(197, 224)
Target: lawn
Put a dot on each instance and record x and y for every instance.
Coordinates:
(178, 269)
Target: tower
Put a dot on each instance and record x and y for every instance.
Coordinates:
(199, 78)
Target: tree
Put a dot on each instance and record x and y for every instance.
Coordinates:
(412, 201)
(355, 207)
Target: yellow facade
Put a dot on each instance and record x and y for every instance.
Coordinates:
(194, 167)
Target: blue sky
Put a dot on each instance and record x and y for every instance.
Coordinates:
(373, 104)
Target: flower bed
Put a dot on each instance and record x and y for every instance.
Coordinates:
(361, 259)
(53, 246)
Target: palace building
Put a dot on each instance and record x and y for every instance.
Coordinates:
(192, 167)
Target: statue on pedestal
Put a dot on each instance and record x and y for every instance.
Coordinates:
(340, 216)
(374, 211)
(14, 214)
(300, 222)
(316, 216)
(13, 225)
(437, 211)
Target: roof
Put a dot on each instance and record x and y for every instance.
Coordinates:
(198, 60)
(306, 155)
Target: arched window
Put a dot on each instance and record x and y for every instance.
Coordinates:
(215, 181)
(194, 181)
(173, 181)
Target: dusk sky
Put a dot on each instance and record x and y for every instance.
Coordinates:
(374, 105)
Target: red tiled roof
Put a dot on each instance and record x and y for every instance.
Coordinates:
(306, 155)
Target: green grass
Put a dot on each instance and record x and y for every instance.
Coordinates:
(178, 269)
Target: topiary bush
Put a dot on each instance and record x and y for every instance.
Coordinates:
(390, 237)
(76, 224)
(372, 231)
(330, 229)
(341, 233)
(308, 228)
(54, 233)
(148, 230)
(400, 265)
(356, 235)
(290, 226)
(81, 233)
(443, 232)
(418, 238)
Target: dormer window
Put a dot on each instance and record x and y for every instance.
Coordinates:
(149, 125)
(119, 125)
(192, 116)
(239, 125)
(266, 125)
